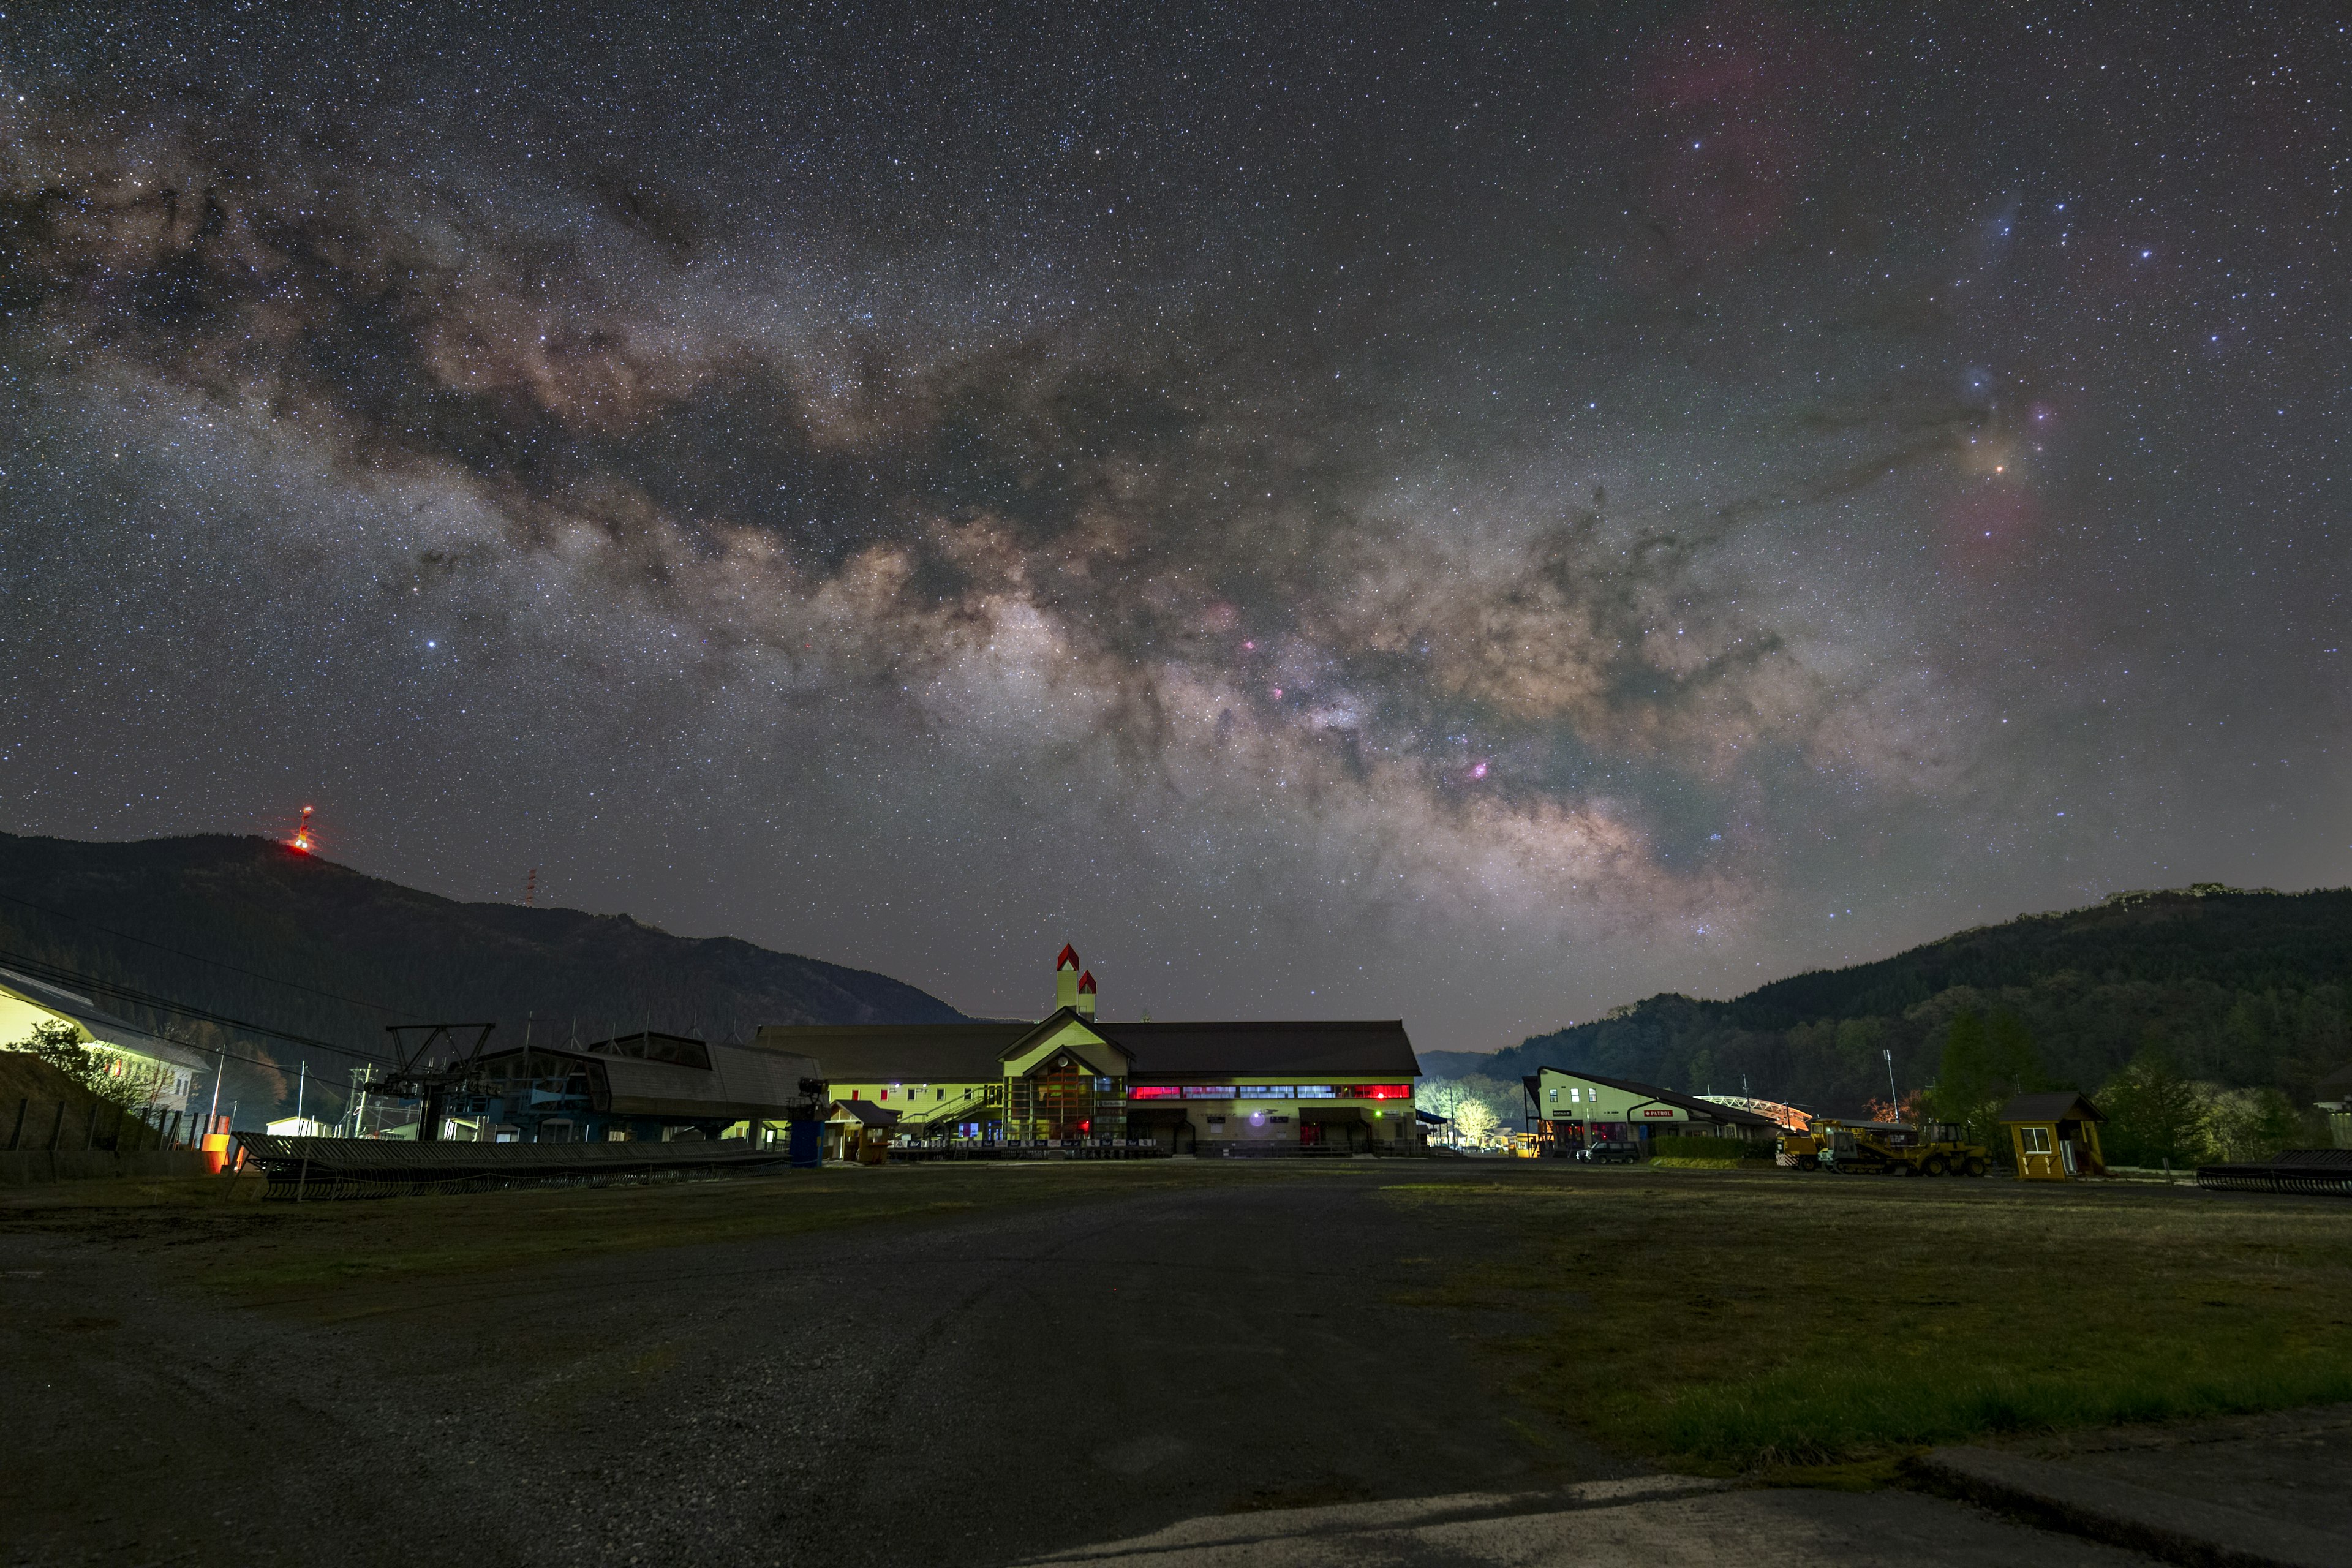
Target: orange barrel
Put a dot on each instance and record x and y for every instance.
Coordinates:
(215, 1152)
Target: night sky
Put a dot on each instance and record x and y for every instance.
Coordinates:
(1474, 515)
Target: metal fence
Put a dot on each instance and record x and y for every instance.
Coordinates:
(2319, 1171)
(60, 1127)
(315, 1168)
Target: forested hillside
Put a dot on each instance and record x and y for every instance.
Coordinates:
(2238, 989)
(248, 929)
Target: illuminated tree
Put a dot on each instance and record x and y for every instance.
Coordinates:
(1475, 1120)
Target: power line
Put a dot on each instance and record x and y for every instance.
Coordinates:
(42, 969)
(199, 958)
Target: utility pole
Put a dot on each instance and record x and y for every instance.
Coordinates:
(530, 887)
(301, 1082)
(220, 1072)
(1894, 1096)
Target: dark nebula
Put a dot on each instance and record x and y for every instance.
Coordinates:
(1477, 514)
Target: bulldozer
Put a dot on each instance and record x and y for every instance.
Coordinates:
(1899, 1148)
(1885, 1148)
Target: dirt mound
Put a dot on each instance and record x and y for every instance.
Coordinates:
(24, 1076)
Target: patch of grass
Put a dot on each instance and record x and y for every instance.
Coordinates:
(1704, 1151)
(1784, 1322)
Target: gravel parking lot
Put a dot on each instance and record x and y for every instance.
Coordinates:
(956, 1386)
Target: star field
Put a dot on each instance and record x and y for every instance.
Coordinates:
(1477, 514)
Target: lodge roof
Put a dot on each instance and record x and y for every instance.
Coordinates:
(900, 1053)
(1301, 1048)
(105, 1028)
(966, 1053)
(868, 1112)
(1730, 1115)
(741, 1083)
(2058, 1106)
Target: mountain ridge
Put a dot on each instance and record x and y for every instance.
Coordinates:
(2244, 987)
(250, 928)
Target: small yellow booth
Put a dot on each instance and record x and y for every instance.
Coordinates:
(2055, 1137)
(860, 1129)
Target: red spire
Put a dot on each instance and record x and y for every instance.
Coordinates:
(1086, 983)
(1068, 960)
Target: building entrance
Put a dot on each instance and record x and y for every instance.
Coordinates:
(1067, 1101)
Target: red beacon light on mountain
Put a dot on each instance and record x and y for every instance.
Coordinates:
(301, 842)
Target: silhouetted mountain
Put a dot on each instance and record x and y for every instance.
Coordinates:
(233, 920)
(2245, 989)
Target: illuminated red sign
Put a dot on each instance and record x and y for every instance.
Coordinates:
(1155, 1091)
(1383, 1091)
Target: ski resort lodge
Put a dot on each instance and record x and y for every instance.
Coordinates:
(166, 1070)
(1573, 1109)
(1071, 1077)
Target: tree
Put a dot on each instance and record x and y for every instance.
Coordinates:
(102, 1072)
(1440, 1096)
(2009, 1051)
(2252, 1124)
(1475, 1120)
(1966, 1091)
(2155, 1115)
(1984, 1065)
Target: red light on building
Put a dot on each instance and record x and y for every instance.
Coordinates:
(1383, 1092)
(1155, 1091)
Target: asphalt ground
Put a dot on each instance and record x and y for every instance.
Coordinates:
(975, 1387)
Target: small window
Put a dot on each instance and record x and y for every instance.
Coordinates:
(853, 1094)
(1554, 1094)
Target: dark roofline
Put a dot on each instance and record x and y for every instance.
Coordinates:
(1373, 1050)
(2053, 1105)
(1238, 1024)
(1051, 1021)
(1731, 1113)
(87, 1013)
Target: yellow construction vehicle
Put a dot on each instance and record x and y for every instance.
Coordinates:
(1803, 1149)
(1898, 1149)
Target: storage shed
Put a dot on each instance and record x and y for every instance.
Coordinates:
(2055, 1137)
(860, 1129)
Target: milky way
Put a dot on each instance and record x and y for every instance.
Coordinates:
(1476, 516)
